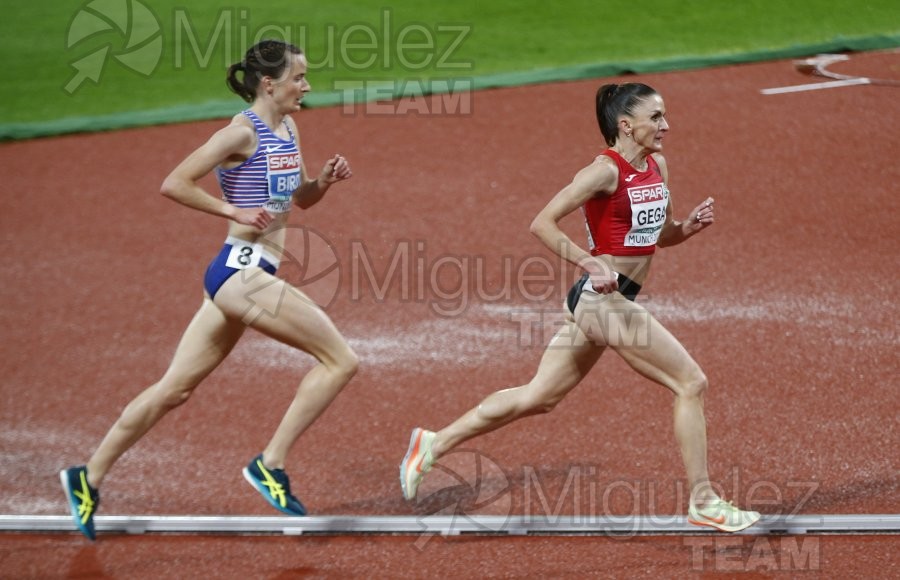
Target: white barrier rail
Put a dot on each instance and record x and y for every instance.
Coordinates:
(452, 525)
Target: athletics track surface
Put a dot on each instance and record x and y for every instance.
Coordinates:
(789, 303)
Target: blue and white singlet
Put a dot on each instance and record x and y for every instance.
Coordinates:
(269, 177)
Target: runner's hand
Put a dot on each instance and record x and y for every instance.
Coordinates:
(604, 279)
(336, 169)
(702, 217)
(253, 216)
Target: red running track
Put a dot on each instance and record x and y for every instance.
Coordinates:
(789, 304)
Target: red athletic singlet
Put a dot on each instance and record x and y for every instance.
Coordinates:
(628, 222)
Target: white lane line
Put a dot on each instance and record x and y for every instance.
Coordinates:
(817, 86)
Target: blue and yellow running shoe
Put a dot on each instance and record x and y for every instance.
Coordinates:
(274, 485)
(83, 499)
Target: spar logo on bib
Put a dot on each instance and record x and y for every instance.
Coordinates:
(283, 172)
(648, 213)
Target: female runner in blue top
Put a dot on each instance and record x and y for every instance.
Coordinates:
(258, 161)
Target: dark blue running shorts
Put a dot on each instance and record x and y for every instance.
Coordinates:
(236, 255)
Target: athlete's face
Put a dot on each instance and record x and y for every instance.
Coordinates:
(288, 90)
(648, 124)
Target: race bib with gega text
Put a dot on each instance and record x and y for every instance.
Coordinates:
(648, 214)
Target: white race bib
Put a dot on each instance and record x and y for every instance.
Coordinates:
(283, 175)
(244, 255)
(648, 214)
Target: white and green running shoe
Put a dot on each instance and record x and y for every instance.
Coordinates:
(417, 463)
(722, 515)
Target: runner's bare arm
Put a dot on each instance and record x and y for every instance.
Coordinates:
(311, 191)
(597, 178)
(674, 231)
(181, 184)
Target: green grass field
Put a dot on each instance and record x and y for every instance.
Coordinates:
(119, 56)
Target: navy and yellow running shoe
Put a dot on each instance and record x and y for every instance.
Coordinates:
(83, 499)
(274, 485)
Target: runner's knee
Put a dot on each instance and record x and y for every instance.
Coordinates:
(546, 406)
(349, 363)
(542, 403)
(344, 362)
(160, 397)
(175, 396)
(695, 386)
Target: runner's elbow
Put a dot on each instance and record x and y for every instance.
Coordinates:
(173, 187)
(169, 188)
(538, 226)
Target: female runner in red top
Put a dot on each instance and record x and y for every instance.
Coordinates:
(628, 211)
